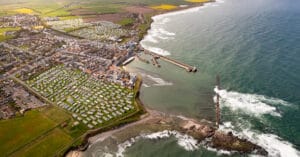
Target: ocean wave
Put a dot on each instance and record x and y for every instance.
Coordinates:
(150, 38)
(163, 31)
(275, 146)
(159, 81)
(156, 50)
(145, 85)
(185, 141)
(218, 151)
(186, 11)
(157, 33)
(250, 103)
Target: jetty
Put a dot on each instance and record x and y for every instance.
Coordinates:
(142, 59)
(155, 62)
(128, 61)
(187, 67)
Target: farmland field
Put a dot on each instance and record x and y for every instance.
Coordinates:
(47, 146)
(15, 133)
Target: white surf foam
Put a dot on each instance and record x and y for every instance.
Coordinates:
(159, 81)
(250, 103)
(150, 38)
(185, 141)
(186, 11)
(156, 50)
(219, 152)
(275, 146)
(163, 31)
(157, 33)
(107, 155)
(145, 85)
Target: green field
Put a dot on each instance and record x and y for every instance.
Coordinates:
(3, 30)
(56, 8)
(15, 133)
(53, 142)
(56, 114)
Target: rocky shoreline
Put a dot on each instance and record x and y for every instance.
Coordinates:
(203, 131)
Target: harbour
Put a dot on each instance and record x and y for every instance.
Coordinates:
(156, 56)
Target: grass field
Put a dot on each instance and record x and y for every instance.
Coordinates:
(24, 11)
(164, 7)
(126, 22)
(55, 114)
(3, 30)
(56, 8)
(17, 132)
(197, 1)
(40, 132)
(47, 146)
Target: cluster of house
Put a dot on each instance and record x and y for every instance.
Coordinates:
(103, 31)
(122, 77)
(15, 98)
(64, 25)
(91, 101)
(34, 52)
(19, 20)
(12, 58)
(42, 44)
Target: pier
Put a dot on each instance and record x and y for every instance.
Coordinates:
(142, 59)
(187, 67)
(155, 62)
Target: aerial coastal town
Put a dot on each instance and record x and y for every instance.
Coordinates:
(55, 66)
(63, 79)
(70, 67)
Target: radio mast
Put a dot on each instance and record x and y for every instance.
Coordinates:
(218, 102)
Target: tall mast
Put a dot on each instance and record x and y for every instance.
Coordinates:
(218, 102)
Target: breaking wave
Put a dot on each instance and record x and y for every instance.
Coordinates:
(185, 141)
(273, 144)
(159, 82)
(156, 50)
(250, 103)
(157, 32)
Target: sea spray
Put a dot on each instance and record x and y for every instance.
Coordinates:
(159, 81)
(185, 141)
(275, 146)
(250, 103)
(256, 105)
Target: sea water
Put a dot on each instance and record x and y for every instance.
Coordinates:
(254, 46)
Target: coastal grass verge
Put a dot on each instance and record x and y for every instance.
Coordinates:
(126, 22)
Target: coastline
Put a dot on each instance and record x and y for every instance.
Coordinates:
(204, 129)
(156, 125)
(85, 142)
